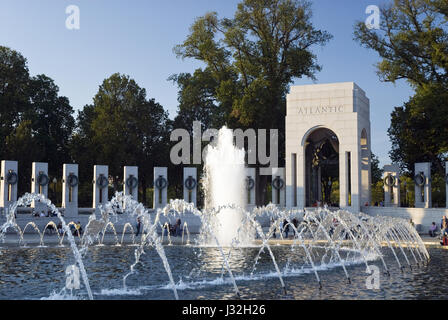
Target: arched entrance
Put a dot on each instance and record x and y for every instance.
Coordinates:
(327, 138)
(321, 167)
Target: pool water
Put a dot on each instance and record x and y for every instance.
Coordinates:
(39, 273)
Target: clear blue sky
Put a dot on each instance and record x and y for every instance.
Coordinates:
(137, 37)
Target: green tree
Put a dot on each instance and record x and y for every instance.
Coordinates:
(255, 56)
(413, 45)
(250, 61)
(419, 131)
(123, 127)
(20, 145)
(412, 41)
(14, 77)
(43, 133)
(52, 122)
(84, 152)
(36, 123)
(197, 101)
(376, 171)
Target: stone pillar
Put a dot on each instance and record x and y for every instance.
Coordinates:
(278, 187)
(300, 178)
(160, 187)
(343, 179)
(100, 186)
(355, 184)
(391, 179)
(422, 181)
(8, 183)
(39, 184)
(365, 167)
(291, 180)
(190, 185)
(130, 187)
(446, 182)
(250, 186)
(70, 184)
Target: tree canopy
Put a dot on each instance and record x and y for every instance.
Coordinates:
(250, 61)
(413, 45)
(36, 123)
(123, 127)
(412, 41)
(419, 131)
(14, 79)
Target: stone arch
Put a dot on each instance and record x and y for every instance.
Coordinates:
(342, 108)
(313, 129)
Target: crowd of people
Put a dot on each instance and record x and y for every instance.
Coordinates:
(173, 230)
(75, 229)
(285, 228)
(43, 214)
(443, 231)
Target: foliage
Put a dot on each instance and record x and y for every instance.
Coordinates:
(376, 171)
(412, 41)
(36, 123)
(419, 131)
(250, 61)
(14, 78)
(413, 45)
(123, 127)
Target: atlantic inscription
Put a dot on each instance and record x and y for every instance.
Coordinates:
(320, 110)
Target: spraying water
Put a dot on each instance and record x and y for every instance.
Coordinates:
(224, 186)
(26, 200)
(322, 240)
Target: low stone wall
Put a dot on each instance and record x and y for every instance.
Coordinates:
(423, 218)
(193, 222)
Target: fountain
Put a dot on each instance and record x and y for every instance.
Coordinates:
(225, 187)
(236, 252)
(26, 200)
(323, 240)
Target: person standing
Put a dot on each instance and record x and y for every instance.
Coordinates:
(444, 226)
(178, 228)
(286, 228)
(444, 232)
(139, 225)
(275, 229)
(60, 230)
(295, 223)
(432, 230)
(281, 229)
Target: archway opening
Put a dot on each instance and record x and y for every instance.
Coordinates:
(322, 168)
